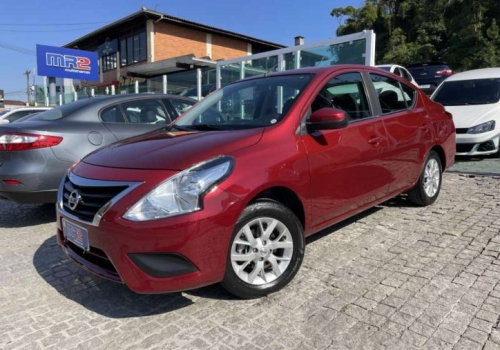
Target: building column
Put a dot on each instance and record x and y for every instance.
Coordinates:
(52, 91)
(150, 35)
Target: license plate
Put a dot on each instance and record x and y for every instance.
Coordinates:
(76, 234)
(424, 86)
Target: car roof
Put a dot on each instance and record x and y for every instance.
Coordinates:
(105, 100)
(389, 65)
(484, 73)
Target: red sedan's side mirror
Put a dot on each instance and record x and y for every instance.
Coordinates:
(326, 119)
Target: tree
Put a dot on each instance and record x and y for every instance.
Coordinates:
(465, 33)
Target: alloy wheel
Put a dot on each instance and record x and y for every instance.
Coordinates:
(261, 251)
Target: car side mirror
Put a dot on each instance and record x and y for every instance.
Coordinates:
(326, 119)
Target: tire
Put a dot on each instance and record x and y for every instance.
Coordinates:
(262, 261)
(421, 194)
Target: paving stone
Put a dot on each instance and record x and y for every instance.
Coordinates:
(396, 277)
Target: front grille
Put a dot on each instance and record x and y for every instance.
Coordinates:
(93, 198)
(464, 147)
(461, 130)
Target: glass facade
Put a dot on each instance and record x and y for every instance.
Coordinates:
(355, 48)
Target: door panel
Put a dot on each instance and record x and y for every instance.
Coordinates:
(408, 128)
(347, 168)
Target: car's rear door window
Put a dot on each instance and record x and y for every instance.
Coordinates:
(112, 115)
(346, 92)
(391, 95)
(147, 111)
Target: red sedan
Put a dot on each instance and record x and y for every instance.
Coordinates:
(229, 191)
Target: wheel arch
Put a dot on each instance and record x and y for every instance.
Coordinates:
(285, 196)
(442, 156)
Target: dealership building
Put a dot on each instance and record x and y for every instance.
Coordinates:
(137, 51)
(149, 51)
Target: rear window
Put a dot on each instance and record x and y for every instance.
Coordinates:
(61, 111)
(468, 92)
(430, 69)
(388, 69)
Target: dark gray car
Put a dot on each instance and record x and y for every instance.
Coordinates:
(35, 153)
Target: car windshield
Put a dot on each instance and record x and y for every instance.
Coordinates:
(246, 104)
(468, 92)
(386, 68)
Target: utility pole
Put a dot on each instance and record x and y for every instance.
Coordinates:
(28, 91)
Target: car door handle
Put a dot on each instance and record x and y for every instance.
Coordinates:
(374, 140)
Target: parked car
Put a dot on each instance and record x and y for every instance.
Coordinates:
(398, 70)
(12, 115)
(429, 75)
(192, 92)
(231, 195)
(35, 153)
(473, 97)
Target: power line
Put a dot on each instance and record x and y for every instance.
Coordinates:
(43, 30)
(50, 24)
(18, 49)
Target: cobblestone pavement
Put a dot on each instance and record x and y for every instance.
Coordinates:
(395, 277)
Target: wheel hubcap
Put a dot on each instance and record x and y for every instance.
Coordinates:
(261, 251)
(431, 177)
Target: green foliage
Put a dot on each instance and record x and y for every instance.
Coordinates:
(464, 33)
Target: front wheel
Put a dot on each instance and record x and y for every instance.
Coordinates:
(428, 186)
(266, 250)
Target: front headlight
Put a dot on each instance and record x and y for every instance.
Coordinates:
(479, 129)
(182, 193)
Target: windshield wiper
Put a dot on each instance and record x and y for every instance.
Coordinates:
(175, 126)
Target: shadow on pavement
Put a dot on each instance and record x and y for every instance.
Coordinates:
(14, 215)
(334, 228)
(106, 298)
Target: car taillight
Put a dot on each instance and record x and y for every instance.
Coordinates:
(445, 72)
(23, 142)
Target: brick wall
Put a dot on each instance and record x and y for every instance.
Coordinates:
(172, 40)
(227, 48)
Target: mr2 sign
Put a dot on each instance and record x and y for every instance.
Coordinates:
(67, 63)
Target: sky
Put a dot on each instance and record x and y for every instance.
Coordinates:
(25, 23)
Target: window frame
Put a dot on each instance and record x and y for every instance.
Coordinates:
(376, 98)
(128, 48)
(365, 84)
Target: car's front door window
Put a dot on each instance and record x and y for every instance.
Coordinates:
(346, 92)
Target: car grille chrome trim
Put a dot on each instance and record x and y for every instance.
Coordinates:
(100, 195)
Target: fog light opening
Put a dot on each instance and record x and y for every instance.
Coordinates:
(486, 146)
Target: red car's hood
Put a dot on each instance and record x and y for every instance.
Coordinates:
(172, 150)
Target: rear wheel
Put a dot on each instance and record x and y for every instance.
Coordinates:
(266, 250)
(426, 191)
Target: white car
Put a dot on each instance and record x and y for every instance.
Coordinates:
(398, 70)
(12, 115)
(473, 97)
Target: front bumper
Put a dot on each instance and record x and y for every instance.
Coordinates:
(478, 144)
(179, 253)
